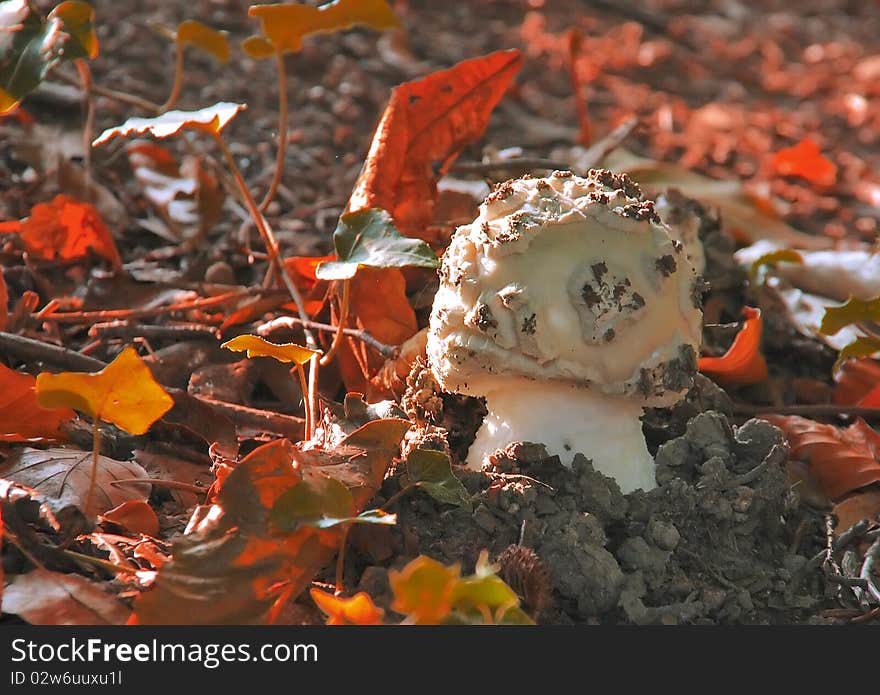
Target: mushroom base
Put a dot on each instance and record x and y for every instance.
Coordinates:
(568, 420)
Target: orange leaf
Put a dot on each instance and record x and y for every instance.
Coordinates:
(357, 610)
(424, 589)
(124, 393)
(743, 363)
(135, 516)
(64, 229)
(425, 126)
(805, 160)
(257, 347)
(855, 380)
(211, 41)
(4, 303)
(378, 304)
(838, 460)
(21, 417)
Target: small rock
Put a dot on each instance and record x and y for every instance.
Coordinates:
(663, 534)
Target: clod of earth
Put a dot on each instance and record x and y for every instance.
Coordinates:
(570, 306)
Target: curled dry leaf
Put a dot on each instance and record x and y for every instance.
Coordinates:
(21, 417)
(743, 363)
(62, 477)
(135, 516)
(837, 460)
(124, 393)
(855, 380)
(64, 229)
(425, 126)
(41, 597)
(357, 610)
(211, 119)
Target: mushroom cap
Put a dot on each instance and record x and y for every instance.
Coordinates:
(567, 278)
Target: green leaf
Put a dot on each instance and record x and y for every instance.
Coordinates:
(313, 501)
(432, 472)
(30, 46)
(854, 311)
(860, 347)
(369, 238)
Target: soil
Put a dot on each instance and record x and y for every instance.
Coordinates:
(717, 87)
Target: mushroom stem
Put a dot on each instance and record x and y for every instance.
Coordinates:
(567, 419)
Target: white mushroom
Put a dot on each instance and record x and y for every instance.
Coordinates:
(568, 306)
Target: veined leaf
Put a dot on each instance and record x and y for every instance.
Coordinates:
(368, 238)
(432, 472)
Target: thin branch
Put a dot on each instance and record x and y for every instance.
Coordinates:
(290, 322)
(122, 97)
(124, 329)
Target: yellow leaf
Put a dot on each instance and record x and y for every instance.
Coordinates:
(287, 25)
(357, 610)
(78, 20)
(257, 347)
(211, 119)
(258, 47)
(424, 590)
(124, 393)
(211, 41)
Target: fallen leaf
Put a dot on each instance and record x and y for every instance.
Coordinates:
(62, 477)
(32, 45)
(235, 561)
(21, 417)
(432, 472)
(211, 119)
(743, 363)
(838, 460)
(41, 597)
(424, 128)
(286, 25)
(193, 33)
(805, 159)
(855, 380)
(860, 347)
(203, 421)
(853, 311)
(424, 590)
(863, 504)
(257, 347)
(64, 229)
(4, 302)
(369, 239)
(357, 610)
(135, 516)
(124, 393)
(177, 470)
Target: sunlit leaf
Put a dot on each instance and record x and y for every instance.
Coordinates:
(853, 311)
(63, 476)
(193, 33)
(64, 229)
(257, 347)
(124, 393)
(743, 363)
(805, 159)
(31, 46)
(258, 47)
(21, 417)
(211, 119)
(368, 238)
(357, 610)
(432, 472)
(425, 126)
(135, 516)
(424, 590)
(286, 25)
(838, 460)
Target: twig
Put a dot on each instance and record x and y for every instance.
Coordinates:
(574, 40)
(125, 329)
(122, 97)
(341, 320)
(159, 482)
(596, 153)
(110, 314)
(513, 164)
(289, 322)
(820, 410)
(289, 425)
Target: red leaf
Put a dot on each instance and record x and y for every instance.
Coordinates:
(425, 126)
(4, 303)
(64, 229)
(858, 383)
(743, 363)
(805, 160)
(838, 460)
(21, 417)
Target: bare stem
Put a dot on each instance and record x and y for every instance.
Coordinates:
(96, 444)
(340, 559)
(268, 237)
(85, 76)
(178, 80)
(307, 405)
(282, 131)
(314, 364)
(343, 318)
(121, 97)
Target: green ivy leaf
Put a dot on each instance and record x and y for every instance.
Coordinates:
(369, 238)
(432, 472)
(854, 311)
(860, 347)
(31, 46)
